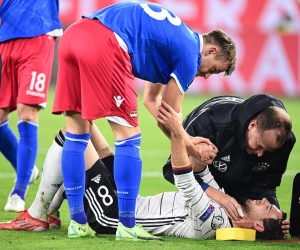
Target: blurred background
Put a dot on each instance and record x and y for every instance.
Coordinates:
(266, 32)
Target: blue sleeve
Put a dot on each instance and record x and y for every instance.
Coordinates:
(204, 186)
(185, 71)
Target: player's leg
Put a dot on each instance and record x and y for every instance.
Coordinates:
(26, 153)
(34, 72)
(51, 180)
(35, 218)
(127, 175)
(100, 200)
(127, 170)
(91, 157)
(73, 164)
(76, 142)
(69, 98)
(8, 140)
(53, 213)
(98, 147)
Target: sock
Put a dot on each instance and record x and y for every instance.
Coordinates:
(73, 169)
(127, 174)
(8, 144)
(77, 209)
(57, 200)
(26, 156)
(50, 182)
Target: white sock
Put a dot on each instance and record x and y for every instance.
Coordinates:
(50, 182)
(56, 201)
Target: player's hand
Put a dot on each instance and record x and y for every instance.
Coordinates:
(198, 139)
(206, 152)
(232, 208)
(285, 226)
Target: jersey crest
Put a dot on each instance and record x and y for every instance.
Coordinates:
(217, 222)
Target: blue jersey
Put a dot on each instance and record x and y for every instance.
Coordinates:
(28, 18)
(161, 46)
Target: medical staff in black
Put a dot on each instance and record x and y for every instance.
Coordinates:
(247, 164)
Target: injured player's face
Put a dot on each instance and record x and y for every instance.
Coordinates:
(261, 209)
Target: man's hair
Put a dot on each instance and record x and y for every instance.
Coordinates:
(272, 229)
(227, 47)
(269, 119)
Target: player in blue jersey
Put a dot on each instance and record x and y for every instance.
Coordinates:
(27, 36)
(99, 56)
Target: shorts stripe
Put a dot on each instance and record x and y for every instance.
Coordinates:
(98, 211)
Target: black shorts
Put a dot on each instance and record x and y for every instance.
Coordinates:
(100, 200)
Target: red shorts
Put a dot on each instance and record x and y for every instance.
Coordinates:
(94, 74)
(26, 71)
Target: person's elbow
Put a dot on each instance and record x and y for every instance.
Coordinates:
(146, 101)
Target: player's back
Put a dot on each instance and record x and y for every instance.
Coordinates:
(157, 40)
(26, 19)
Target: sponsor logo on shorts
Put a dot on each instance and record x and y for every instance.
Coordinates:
(262, 166)
(207, 213)
(221, 166)
(34, 93)
(217, 222)
(133, 113)
(119, 99)
(97, 178)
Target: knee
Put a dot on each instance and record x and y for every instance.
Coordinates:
(4, 114)
(28, 112)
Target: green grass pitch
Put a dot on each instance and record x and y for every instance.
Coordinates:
(155, 149)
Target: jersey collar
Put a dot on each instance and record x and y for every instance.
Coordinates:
(201, 43)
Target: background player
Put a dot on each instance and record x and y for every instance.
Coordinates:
(99, 56)
(189, 213)
(27, 36)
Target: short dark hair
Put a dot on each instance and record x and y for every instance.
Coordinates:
(269, 119)
(272, 229)
(226, 45)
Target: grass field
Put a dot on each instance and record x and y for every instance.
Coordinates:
(154, 152)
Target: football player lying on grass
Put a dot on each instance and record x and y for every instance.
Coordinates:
(188, 213)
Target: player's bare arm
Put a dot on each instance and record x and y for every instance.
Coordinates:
(232, 208)
(172, 95)
(152, 97)
(172, 121)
